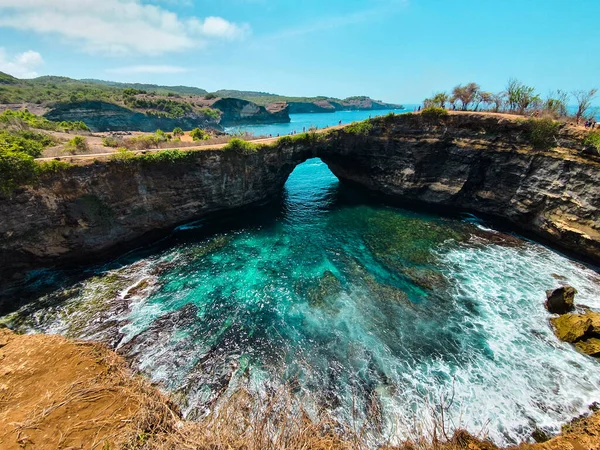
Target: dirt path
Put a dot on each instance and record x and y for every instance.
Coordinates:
(271, 140)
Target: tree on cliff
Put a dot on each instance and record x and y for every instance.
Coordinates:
(487, 98)
(498, 101)
(440, 99)
(520, 96)
(584, 102)
(466, 94)
(556, 103)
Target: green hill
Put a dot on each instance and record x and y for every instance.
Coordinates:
(181, 90)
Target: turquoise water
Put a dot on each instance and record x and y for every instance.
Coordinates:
(320, 120)
(366, 309)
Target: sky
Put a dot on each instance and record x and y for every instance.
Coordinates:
(393, 50)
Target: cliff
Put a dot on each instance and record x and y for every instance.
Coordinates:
(332, 105)
(104, 116)
(484, 163)
(242, 112)
(474, 162)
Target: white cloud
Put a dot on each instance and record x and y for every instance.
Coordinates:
(22, 65)
(147, 69)
(116, 27)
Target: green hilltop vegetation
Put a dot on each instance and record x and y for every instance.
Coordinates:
(49, 91)
(265, 98)
(163, 90)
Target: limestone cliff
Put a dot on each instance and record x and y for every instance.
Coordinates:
(242, 112)
(481, 163)
(104, 116)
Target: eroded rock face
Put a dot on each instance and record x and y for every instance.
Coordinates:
(93, 208)
(103, 116)
(561, 300)
(237, 111)
(482, 163)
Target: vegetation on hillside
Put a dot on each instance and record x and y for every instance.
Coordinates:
(161, 90)
(264, 98)
(160, 101)
(24, 119)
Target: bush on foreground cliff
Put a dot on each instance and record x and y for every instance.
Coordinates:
(125, 156)
(543, 133)
(434, 113)
(592, 140)
(309, 139)
(359, 128)
(19, 168)
(240, 146)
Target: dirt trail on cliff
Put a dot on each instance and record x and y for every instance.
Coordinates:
(60, 394)
(270, 140)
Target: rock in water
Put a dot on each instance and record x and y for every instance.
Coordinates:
(582, 330)
(561, 300)
(572, 327)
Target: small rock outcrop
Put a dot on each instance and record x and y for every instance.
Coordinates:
(582, 330)
(561, 300)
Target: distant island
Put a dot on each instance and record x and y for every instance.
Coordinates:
(113, 106)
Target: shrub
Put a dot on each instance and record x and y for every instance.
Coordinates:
(360, 128)
(52, 167)
(16, 168)
(199, 135)
(434, 114)
(210, 96)
(29, 142)
(122, 155)
(177, 132)
(240, 146)
(147, 141)
(592, 140)
(109, 141)
(285, 141)
(542, 133)
(165, 157)
(76, 145)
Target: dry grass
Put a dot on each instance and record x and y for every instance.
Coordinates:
(57, 394)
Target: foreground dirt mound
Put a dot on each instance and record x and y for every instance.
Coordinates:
(59, 394)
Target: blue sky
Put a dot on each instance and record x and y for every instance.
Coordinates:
(394, 50)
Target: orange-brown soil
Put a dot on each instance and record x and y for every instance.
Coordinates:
(60, 394)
